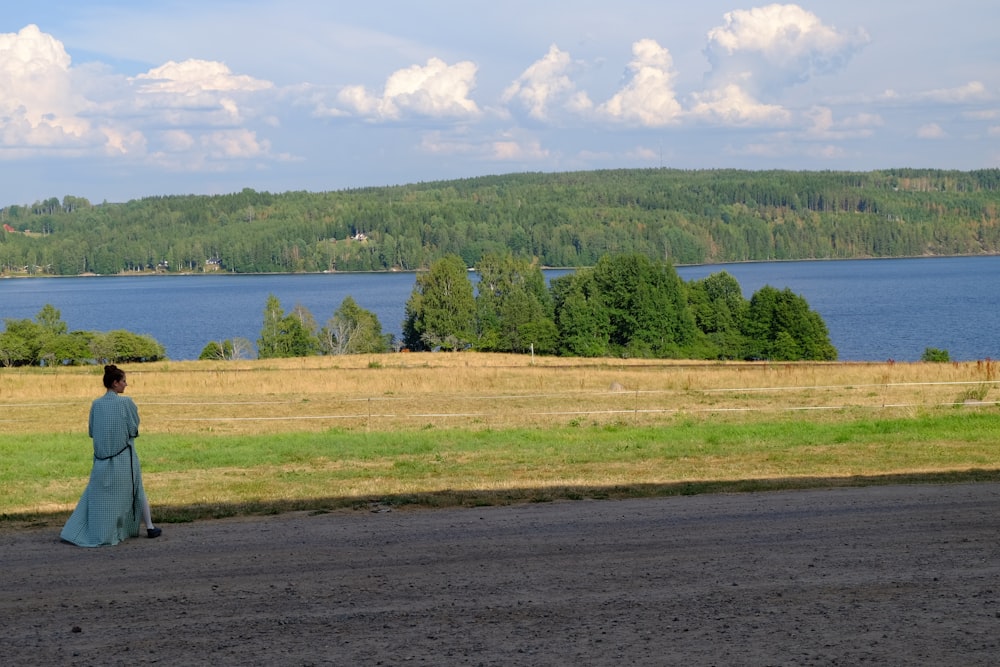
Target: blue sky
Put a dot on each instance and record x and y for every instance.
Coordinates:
(113, 99)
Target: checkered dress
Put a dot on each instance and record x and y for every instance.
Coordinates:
(110, 509)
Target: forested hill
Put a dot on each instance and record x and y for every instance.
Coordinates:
(565, 219)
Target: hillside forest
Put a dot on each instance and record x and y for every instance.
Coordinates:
(554, 220)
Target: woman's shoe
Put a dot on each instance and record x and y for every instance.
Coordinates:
(153, 532)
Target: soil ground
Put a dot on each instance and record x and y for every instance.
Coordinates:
(895, 575)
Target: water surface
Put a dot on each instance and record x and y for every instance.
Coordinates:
(875, 309)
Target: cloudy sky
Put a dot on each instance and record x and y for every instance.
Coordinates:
(118, 99)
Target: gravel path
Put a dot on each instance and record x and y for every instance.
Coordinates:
(899, 575)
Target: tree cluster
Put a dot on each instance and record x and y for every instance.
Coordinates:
(47, 341)
(351, 330)
(626, 305)
(566, 220)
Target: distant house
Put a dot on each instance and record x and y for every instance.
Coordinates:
(8, 228)
(360, 236)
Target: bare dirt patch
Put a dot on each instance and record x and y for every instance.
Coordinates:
(900, 575)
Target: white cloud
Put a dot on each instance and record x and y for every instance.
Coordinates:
(507, 146)
(970, 92)
(39, 106)
(823, 125)
(545, 83)
(47, 104)
(771, 47)
(186, 98)
(435, 90)
(439, 143)
(234, 144)
(644, 154)
(177, 141)
(193, 77)
(967, 93)
(757, 53)
(358, 100)
(511, 150)
(120, 142)
(212, 151)
(648, 97)
(732, 105)
(863, 120)
(194, 93)
(931, 131)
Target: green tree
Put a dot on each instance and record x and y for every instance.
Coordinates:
(56, 346)
(47, 341)
(582, 319)
(513, 306)
(50, 320)
(269, 343)
(646, 306)
(121, 346)
(21, 342)
(71, 348)
(781, 326)
(285, 335)
(226, 350)
(353, 330)
(215, 350)
(16, 349)
(935, 355)
(441, 310)
(306, 318)
(719, 311)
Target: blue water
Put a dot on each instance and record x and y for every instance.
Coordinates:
(890, 308)
(875, 309)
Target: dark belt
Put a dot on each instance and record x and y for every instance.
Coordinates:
(131, 469)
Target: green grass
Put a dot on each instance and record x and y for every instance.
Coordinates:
(189, 477)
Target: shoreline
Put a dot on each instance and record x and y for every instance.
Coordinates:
(143, 274)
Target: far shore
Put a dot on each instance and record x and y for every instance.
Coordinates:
(127, 274)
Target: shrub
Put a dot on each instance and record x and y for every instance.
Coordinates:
(935, 355)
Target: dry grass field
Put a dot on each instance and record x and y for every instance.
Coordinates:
(482, 391)
(234, 437)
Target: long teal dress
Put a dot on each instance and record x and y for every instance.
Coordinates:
(110, 508)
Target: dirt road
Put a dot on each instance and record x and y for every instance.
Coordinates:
(903, 575)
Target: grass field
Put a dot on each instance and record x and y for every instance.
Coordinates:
(223, 438)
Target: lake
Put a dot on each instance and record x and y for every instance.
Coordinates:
(875, 309)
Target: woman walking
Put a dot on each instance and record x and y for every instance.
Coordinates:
(111, 505)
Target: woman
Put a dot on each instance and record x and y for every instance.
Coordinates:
(108, 511)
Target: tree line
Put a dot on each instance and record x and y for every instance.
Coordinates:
(48, 341)
(557, 220)
(625, 306)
